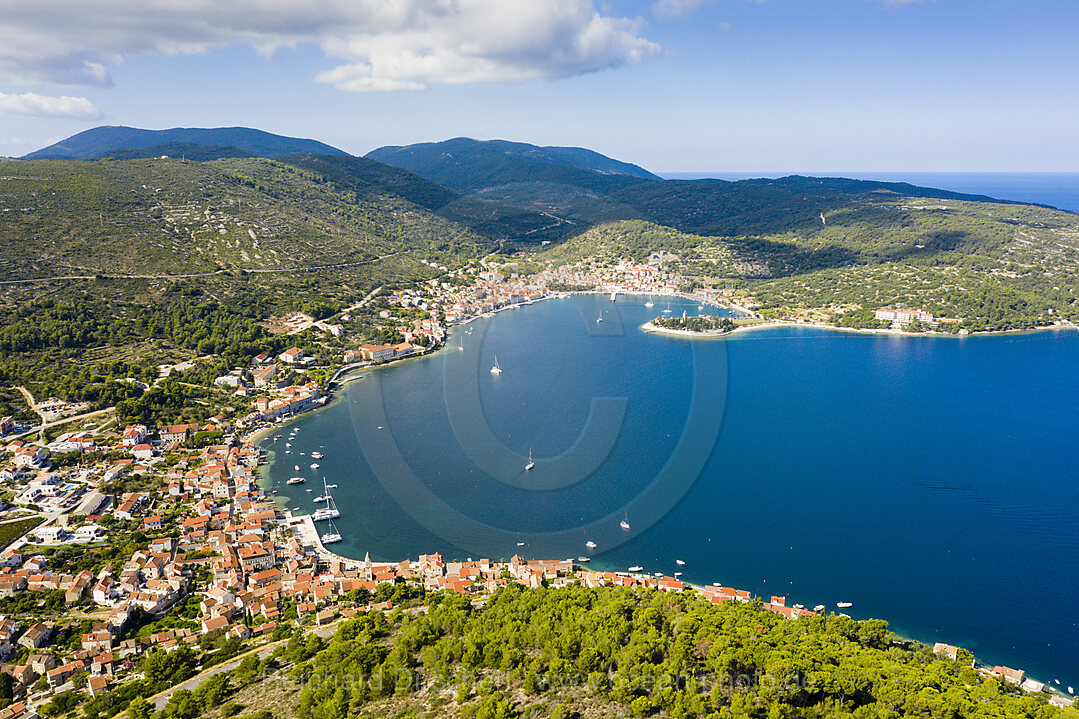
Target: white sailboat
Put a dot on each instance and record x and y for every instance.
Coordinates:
(624, 524)
(650, 303)
(531, 462)
(668, 310)
(328, 512)
(600, 318)
(496, 369)
(613, 296)
(331, 536)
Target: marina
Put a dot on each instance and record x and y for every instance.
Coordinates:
(747, 473)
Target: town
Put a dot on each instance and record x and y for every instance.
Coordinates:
(124, 542)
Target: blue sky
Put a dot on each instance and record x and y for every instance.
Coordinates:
(673, 85)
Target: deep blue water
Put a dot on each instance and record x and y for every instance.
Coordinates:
(1056, 189)
(932, 482)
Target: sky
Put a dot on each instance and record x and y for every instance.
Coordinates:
(672, 85)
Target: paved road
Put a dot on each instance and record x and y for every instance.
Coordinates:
(160, 700)
(65, 420)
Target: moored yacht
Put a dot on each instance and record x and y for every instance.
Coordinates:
(496, 369)
(331, 536)
(330, 510)
(531, 462)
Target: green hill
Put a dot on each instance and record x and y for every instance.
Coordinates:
(577, 652)
(468, 165)
(183, 150)
(826, 247)
(108, 139)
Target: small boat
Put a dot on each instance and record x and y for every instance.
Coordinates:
(668, 310)
(314, 465)
(288, 451)
(599, 319)
(1057, 682)
(649, 303)
(624, 524)
(590, 544)
(531, 462)
(295, 480)
(288, 444)
(716, 584)
(317, 455)
(496, 369)
(331, 536)
(819, 608)
(635, 569)
(308, 490)
(700, 307)
(321, 499)
(678, 574)
(679, 562)
(1071, 691)
(380, 426)
(659, 574)
(584, 559)
(296, 468)
(520, 544)
(844, 605)
(331, 486)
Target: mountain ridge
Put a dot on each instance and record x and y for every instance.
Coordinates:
(467, 165)
(104, 139)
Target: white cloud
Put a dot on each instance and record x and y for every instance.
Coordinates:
(669, 9)
(30, 104)
(380, 44)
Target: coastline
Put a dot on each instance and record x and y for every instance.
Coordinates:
(775, 324)
(304, 527)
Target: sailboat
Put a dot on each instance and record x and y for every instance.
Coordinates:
(330, 511)
(531, 462)
(331, 536)
(668, 310)
(649, 303)
(496, 369)
(600, 318)
(624, 524)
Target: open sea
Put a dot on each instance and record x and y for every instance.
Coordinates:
(930, 481)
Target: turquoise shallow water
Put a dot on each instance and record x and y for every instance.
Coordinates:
(930, 481)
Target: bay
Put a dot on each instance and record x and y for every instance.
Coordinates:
(930, 481)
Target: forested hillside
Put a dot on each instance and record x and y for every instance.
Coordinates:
(823, 248)
(608, 652)
(108, 139)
